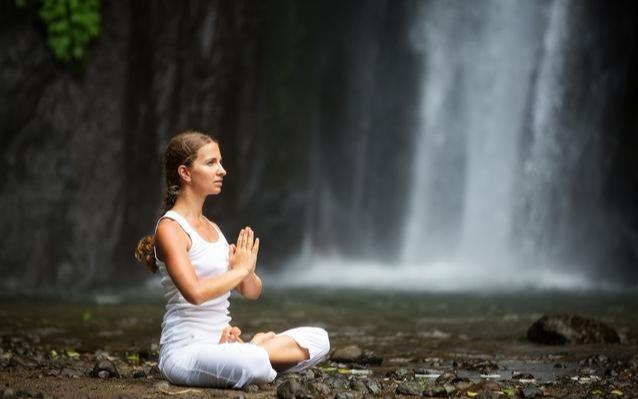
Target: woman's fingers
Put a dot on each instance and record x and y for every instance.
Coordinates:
(235, 332)
(250, 238)
(256, 247)
(225, 335)
(240, 240)
(230, 334)
(231, 250)
(246, 239)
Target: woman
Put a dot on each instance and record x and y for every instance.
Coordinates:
(198, 268)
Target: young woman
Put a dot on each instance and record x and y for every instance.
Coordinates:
(198, 268)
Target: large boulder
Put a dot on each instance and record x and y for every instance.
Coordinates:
(570, 329)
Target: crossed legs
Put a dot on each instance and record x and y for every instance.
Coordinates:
(283, 351)
(293, 350)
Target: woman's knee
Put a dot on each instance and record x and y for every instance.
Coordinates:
(258, 366)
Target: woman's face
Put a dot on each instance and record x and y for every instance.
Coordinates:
(207, 171)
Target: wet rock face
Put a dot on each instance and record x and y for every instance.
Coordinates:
(570, 329)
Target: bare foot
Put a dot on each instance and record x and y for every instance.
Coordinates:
(261, 337)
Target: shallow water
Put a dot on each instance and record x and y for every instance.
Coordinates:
(395, 324)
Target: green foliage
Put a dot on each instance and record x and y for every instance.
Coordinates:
(70, 24)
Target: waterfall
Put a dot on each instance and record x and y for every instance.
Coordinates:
(478, 68)
(507, 185)
(482, 80)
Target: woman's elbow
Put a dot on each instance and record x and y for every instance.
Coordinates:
(193, 297)
(254, 295)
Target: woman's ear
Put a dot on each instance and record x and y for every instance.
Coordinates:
(184, 173)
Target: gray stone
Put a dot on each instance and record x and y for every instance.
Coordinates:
(374, 387)
(401, 373)
(347, 354)
(461, 384)
(139, 374)
(570, 329)
(522, 376)
(320, 388)
(105, 369)
(358, 385)
(369, 357)
(414, 388)
(435, 391)
(292, 389)
(338, 384)
(71, 373)
(445, 377)
(531, 391)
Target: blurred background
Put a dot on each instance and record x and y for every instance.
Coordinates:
(393, 144)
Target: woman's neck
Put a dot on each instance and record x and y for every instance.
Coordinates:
(189, 205)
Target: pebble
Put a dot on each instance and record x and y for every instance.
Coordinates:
(531, 391)
(374, 387)
(435, 391)
(445, 377)
(347, 354)
(105, 369)
(414, 388)
(321, 389)
(400, 373)
(292, 389)
(358, 385)
(139, 374)
(521, 376)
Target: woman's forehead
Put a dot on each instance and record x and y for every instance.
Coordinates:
(210, 150)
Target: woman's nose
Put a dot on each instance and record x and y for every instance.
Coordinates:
(222, 171)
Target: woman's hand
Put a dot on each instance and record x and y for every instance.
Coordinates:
(244, 254)
(230, 334)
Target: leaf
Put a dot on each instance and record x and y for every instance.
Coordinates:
(617, 392)
(507, 391)
(86, 316)
(72, 354)
(471, 394)
(133, 357)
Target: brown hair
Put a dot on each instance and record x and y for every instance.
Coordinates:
(181, 150)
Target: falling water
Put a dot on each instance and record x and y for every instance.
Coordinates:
(478, 71)
(491, 76)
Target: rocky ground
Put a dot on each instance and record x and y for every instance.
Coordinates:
(29, 369)
(112, 352)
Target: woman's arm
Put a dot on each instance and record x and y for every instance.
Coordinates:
(250, 287)
(172, 244)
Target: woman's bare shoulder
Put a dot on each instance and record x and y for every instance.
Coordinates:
(170, 236)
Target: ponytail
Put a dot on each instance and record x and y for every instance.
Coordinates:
(145, 253)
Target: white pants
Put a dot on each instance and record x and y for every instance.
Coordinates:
(210, 364)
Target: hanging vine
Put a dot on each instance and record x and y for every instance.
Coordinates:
(70, 25)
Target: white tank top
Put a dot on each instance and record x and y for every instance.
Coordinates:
(184, 321)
